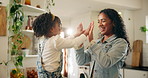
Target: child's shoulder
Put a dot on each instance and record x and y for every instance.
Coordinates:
(55, 37)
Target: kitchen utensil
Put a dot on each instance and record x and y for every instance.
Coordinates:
(137, 53)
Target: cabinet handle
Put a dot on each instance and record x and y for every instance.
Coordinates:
(144, 74)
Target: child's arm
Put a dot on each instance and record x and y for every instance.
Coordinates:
(69, 42)
(75, 42)
(78, 32)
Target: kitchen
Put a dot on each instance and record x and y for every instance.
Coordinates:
(72, 13)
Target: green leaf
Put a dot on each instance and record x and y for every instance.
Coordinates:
(16, 64)
(14, 51)
(53, 4)
(20, 41)
(14, 46)
(20, 63)
(143, 29)
(14, 71)
(19, 23)
(19, 60)
(22, 18)
(23, 76)
(6, 63)
(14, 8)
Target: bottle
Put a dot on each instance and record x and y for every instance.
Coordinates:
(29, 27)
(27, 2)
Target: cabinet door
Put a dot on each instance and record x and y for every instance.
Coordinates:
(122, 72)
(128, 73)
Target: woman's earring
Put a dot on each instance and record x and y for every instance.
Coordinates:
(113, 25)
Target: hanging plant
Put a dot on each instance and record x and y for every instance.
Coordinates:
(15, 38)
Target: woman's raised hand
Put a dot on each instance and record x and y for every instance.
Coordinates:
(86, 32)
(90, 35)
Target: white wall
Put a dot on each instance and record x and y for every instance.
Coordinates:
(139, 20)
(135, 4)
(4, 2)
(4, 49)
(3, 56)
(129, 23)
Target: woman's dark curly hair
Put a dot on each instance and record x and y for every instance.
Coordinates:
(119, 27)
(44, 23)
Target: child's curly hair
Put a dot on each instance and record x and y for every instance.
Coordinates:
(44, 23)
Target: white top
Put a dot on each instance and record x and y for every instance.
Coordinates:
(53, 47)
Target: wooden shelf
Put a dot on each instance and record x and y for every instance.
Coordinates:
(33, 9)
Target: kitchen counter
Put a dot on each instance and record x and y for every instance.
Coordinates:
(142, 68)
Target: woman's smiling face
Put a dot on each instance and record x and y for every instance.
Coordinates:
(105, 24)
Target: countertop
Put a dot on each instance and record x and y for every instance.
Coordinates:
(142, 68)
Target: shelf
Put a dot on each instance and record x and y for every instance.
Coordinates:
(31, 55)
(29, 31)
(33, 9)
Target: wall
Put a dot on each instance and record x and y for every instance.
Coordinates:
(4, 49)
(129, 23)
(4, 2)
(135, 4)
(139, 20)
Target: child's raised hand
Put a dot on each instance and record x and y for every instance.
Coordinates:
(79, 30)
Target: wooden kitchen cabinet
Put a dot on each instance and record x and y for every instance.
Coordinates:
(130, 73)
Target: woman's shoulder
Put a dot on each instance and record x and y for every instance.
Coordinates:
(120, 40)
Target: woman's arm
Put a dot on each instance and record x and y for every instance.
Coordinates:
(82, 57)
(115, 54)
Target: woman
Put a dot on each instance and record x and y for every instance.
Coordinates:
(107, 54)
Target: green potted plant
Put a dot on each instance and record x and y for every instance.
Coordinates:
(143, 29)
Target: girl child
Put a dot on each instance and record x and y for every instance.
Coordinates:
(48, 27)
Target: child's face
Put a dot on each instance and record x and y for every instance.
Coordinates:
(56, 29)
